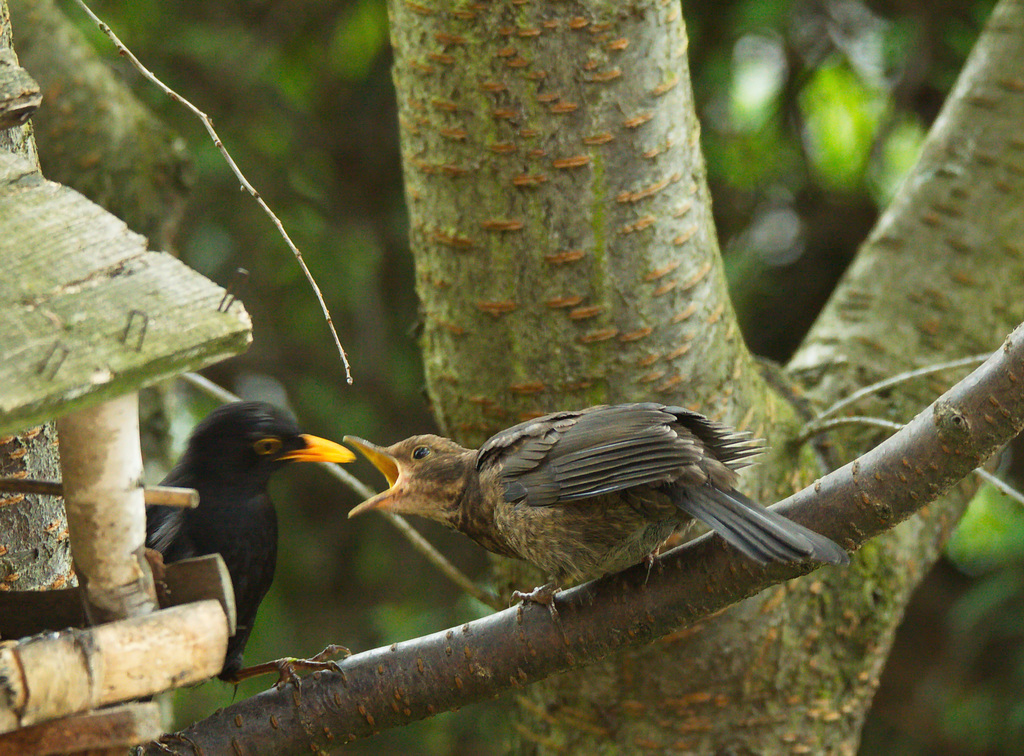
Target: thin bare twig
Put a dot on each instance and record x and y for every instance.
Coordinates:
(894, 380)
(208, 123)
(1002, 485)
(418, 542)
(820, 426)
(208, 387)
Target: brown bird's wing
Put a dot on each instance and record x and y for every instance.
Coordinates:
(732, 448)
(577, 455)
(760, 533)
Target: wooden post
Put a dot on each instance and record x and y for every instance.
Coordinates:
(101, 467)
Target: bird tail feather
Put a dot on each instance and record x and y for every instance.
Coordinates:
(761, 534)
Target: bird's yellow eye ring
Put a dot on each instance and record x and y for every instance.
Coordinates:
(265, 446)
(420, 452)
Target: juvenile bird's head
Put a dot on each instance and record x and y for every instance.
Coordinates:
(426, 476)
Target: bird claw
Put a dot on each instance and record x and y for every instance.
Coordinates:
(648, 562)
(288, 667)
(328, 654)
(545, 596)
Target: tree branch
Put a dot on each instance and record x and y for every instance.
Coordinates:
(392, 686)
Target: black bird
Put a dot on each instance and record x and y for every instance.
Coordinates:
(581, 494)
(229, 459)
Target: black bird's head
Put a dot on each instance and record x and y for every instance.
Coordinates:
(250, 440)
(426, 476)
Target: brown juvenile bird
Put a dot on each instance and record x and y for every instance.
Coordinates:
(581, 494)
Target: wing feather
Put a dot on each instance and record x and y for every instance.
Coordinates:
(570, 456)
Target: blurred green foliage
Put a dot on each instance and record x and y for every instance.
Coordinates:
(812, 113)
(842, 115)
(990, 534)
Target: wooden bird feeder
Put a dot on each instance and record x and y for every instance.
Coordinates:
(88, 316)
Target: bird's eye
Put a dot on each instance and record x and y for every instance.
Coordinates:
(266, 446)
(420, 452)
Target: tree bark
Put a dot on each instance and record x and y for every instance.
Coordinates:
(101, 466)
(559, 216)
(34, 547)
(545, 217)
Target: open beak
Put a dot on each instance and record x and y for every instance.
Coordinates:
(319, 450)
(383, 462)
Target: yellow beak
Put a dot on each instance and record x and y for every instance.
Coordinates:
(320, 450)
(383, 462)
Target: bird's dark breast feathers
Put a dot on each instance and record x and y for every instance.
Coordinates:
(473, 514)
(571, 540)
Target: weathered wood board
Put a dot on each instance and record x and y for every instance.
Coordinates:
(24, 613)
(117, 726)
(86, 311)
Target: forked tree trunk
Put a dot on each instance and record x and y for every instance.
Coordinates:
(560, 217)
(565, 256)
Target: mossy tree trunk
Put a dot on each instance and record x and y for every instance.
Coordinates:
(565, 256)
(560, 218)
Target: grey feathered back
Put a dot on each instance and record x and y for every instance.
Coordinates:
(576, 455)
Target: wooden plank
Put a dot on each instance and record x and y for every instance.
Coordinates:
(87, 313)
(25, 613)
(58, 674)
(198, 579)
(124, 725)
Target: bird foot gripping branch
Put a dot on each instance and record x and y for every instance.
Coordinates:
(288, 667)
(581, 494)
(545, 596)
